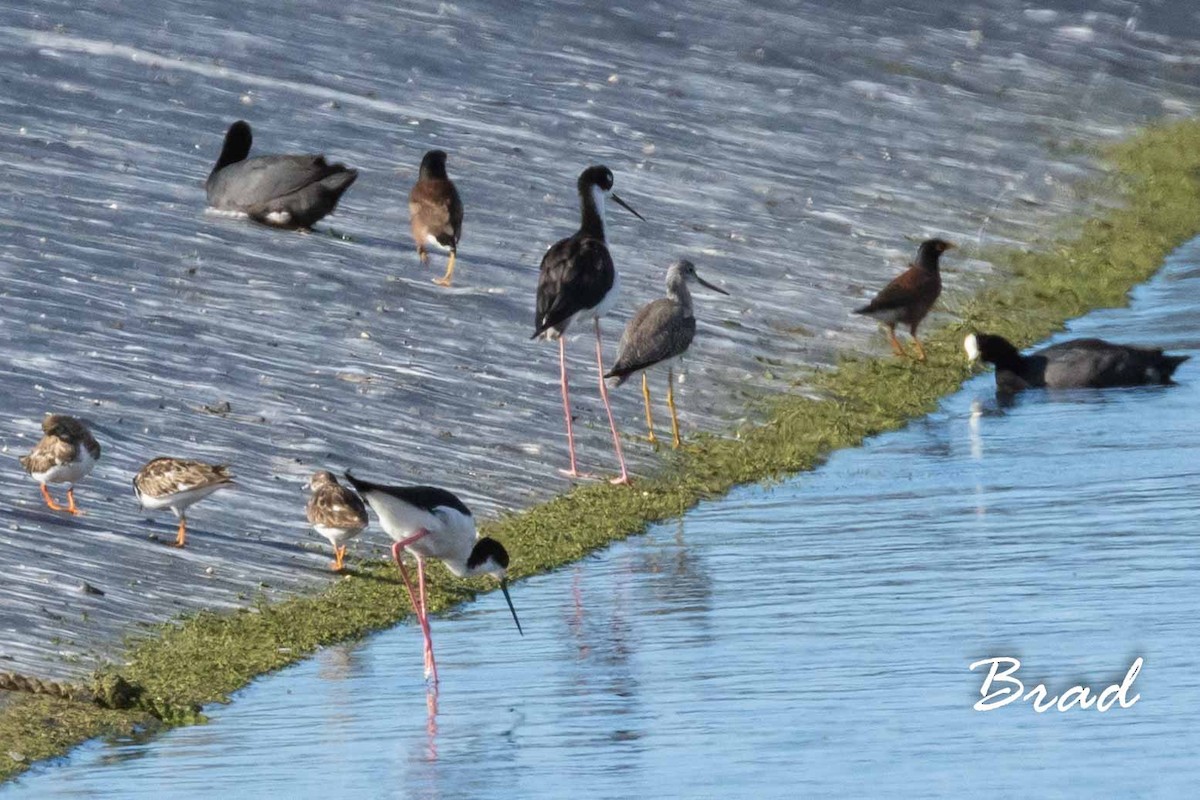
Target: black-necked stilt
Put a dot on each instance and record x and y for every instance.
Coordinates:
(177, 483)
(67, 453)
(910, 295)
(283, 191)
(1076, 364)
(433, 523)
(335, 512)
(578, 279)
(436, 212)
(661, 331)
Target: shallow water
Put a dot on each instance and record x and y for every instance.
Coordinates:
(812, 639)
(792, 150)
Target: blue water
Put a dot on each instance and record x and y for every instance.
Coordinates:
(812, 639)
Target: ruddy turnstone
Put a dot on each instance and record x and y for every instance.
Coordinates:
(335, 512)
(67, 453)
(177, 483)
(910, 295)
(436, 212)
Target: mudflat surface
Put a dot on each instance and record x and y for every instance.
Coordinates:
(790, 150)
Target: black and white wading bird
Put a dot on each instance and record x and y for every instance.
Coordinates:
(283, 191)
(435, 212)
(433, 523)
(578, 280)
(660, 333)
(1075, 364)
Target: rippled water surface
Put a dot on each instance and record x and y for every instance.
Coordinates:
(808, 640)
(793, 150)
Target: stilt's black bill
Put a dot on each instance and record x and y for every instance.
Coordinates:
(708, 285)
(626, 206)
(504, 588)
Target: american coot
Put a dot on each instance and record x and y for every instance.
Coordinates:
(578, 279)
(66, 454)
(910, 295)
(284, 191)
(434, 523)
(1080, 363)
(335, 512)
(436, 211)
(661, 331)
(177, 483)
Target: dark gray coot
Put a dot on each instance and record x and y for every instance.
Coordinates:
(283, 191)
(1076, 364)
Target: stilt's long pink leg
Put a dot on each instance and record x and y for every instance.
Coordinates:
(418, 603)
(430, 663)
(604, 396)
(566, 395)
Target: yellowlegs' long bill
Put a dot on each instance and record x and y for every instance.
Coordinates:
(433, 523)
(67, 453)
(578, 280)
(660, 332)
(436, 212)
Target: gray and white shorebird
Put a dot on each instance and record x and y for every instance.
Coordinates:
(660, 333)
(579, 280)
(66, 453)
(335, 512)
(435, 212)
(289, 191)
(177, 483)
(433, 523)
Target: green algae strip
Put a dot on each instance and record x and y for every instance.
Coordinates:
(170, 674)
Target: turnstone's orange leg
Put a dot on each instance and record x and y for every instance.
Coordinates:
(651, 438)
(181, 534)
(896, 348)
(445, 279)
(339, 556)
(71, 503)
(50, 500)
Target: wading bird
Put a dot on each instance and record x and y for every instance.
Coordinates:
(578, 280)
(1076, 364)
(335, 512)
(177, 483)
(283, 191)
(660, 332)
(433, 523)
(435, 212)
(67, 453)
(908, 298)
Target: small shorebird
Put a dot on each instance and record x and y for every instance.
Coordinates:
(1075, 364)
(433, 523)
(910, 295)
(67, 453)
(661, 331)
(284, 191)
(177, 483)
(578, 280)
(335, 512)
(436, 212)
